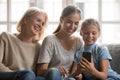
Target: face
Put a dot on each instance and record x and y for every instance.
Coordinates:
(70, 23)
(90, 34)
(35, 24)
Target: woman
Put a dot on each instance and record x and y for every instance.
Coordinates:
(19, 52)
(57, 51)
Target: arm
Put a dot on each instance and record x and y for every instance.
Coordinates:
(102, 74)
(3, 68)
(45, 56)
(89, 67)
(42, 68)
(2, 54)
(104, 62)
(73, 69)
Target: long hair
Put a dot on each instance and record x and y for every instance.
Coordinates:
(68, 10)
(28, 14)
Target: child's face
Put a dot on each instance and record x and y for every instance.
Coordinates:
(90, 34)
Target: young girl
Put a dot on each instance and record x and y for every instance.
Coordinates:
(99, 67)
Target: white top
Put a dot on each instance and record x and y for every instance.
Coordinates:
(16, 54)
(52, 52)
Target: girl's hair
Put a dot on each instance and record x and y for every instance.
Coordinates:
(68, 10)
(32, 11)
(90, 21)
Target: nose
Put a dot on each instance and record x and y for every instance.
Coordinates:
(41, 25)
(90, 34)
(73, 25)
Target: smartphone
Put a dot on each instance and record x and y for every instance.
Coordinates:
(87, 55)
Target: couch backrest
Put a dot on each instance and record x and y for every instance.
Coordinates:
(114, 50)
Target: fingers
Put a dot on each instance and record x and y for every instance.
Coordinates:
(83, 64)
(79, 77)
(63, 70)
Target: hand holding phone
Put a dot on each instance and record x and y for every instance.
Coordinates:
(87, 55)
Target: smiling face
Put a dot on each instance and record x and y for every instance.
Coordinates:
(70, 23)
(90, 34)
(35, 24)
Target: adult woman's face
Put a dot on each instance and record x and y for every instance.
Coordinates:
(35, 24)
(70, 23)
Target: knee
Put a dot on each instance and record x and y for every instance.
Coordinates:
(29, 72)
(52, 72)
(26, 75)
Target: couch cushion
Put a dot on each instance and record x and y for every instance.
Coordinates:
(114, 50)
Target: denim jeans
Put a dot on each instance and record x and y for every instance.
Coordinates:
(55, 74)
(18, 75)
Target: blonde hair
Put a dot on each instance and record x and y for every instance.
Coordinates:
(68, 10)
(28, 14)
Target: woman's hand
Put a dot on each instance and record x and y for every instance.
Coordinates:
(63, 70)
(78, 77)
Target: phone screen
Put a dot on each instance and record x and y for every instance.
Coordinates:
(87, 55)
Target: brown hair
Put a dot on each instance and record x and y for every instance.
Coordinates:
(90, 21)
(68, 10)
(28, 14)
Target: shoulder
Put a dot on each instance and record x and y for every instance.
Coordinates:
(101, 48)
(5, 35)
(103, 51)
(78, 41)
(49, 39)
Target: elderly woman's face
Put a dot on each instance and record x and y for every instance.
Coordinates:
(35, 24)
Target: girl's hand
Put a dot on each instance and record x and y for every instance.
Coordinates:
(86, 65)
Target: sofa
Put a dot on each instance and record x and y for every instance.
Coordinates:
(114, 50)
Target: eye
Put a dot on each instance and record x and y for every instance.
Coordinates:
(86, 33)
(76, 23)
(94, 33)
(38, 20)
(68, 23)
(43, 24)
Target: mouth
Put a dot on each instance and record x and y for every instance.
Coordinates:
(89, 40)
(70, 31)
(37, 28)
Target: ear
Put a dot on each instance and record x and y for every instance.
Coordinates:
(99, 34)
(25, 21)
(61, 19)
(81, 33)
